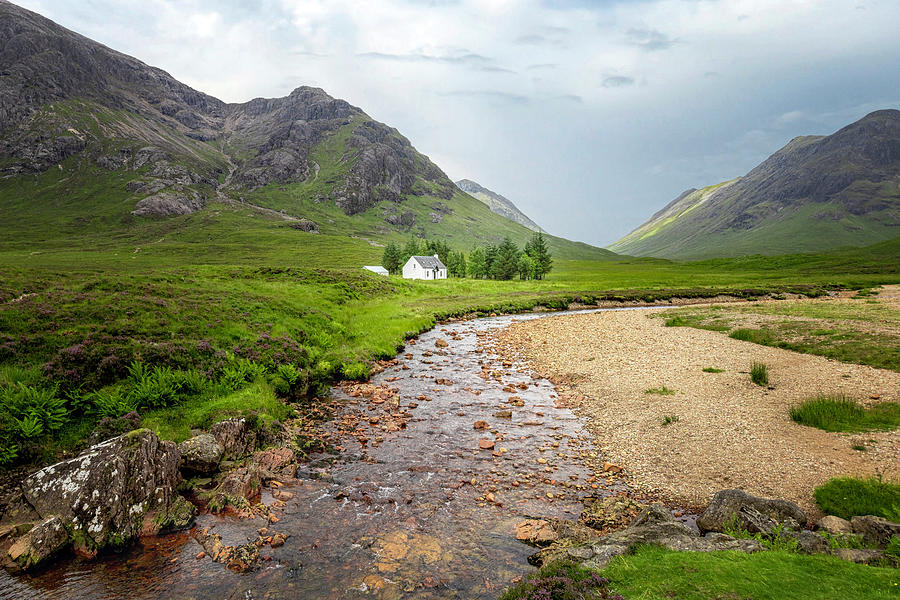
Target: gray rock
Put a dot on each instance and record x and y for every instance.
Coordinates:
(727, 504)
(875, 530)
(201, 453)
(811, 543)
(601, 554)
(834, 525)
(168, 204)
(714, 542)
(43, 541)
(306, 225)
(109, 495)
(236, 437)
(862, 557)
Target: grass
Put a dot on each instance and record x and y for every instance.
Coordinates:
(561, 581)
(712, 370)
(839, 413)
(670, 420)
(759, 373)
(662, 391)
(657, 574)
(847, 497)
(858, 331)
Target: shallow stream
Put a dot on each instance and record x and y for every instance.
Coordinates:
(419, 512)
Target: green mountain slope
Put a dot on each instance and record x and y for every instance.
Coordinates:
(814, 194)
(99, 150)
(497, 203)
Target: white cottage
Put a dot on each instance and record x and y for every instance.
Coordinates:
(424, 267)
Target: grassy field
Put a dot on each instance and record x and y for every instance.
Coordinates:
(203, 296)
(861, 330)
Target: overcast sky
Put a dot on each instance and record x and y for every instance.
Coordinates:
(590, 116)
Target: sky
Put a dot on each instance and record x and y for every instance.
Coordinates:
(589, 115)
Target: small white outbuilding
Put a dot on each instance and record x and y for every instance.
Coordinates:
(377, 269)
(424, 267)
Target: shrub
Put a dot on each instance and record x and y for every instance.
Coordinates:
(290, 383)
(561, 581)
(358, 371)
(34, 408)
(847, 497)
(110, 402)
(669, 419)
(839, 413)
(662, 391)
(757, 336)
(759, 373)
(893, 547)
(712, 370)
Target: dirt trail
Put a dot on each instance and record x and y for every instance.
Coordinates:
(729, 432)
(222, 197)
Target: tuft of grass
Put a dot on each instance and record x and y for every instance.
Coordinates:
(848, 497)
(712, 370)
(757, 336)
(839, 413)
(662, 391)
(653, 573)
(676, 322)
(759, 373)
(859, 448)
(669, 420)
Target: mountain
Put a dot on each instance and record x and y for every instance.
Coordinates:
(97, 145)
(816, 193)
(497, 203)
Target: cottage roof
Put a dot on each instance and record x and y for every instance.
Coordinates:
(429, 262)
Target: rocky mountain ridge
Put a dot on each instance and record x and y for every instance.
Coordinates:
(63, 95)
(497, 203)
(817, 192)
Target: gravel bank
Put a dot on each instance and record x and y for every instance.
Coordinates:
(729, 433)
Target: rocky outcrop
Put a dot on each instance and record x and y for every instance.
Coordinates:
(655, 526)
(875, 530)
(116, 491)
(201, 453)
(237, 437)
(736, 507)
(306, 225)
(168, 204)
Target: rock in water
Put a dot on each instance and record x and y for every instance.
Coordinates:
(114, 492)
(201, 453)
(727, 504)
(44, 540)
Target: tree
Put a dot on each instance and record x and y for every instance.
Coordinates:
(490, 257)
(506, 265)
(536, 248)
(477, 267)
(461, 264)
(526, 267)
(410, 249)
(391, 259)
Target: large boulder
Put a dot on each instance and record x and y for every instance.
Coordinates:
(111, 494)
(875, 530)
(201, 453)
(237, 437)
(43, 541)
(834, 525)
(727, 505)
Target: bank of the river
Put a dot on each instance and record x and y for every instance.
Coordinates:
(717, 430)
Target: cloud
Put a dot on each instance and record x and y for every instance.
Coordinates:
(542, 66)
(649, 39)
(614, 81)
(494, 95)
(468, 59)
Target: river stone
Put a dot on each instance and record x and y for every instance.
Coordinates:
(41, 542)
(201, 453)
(728, 503)
(834, 525)
(875, 530)
(609, 513)
(236, 436)
(109, 495)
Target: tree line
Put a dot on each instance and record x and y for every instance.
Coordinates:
(504, 261)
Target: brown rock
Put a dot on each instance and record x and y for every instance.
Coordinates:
(441, 343)
(480, 425)
(486, 444)
(834, 525)
(537, 532)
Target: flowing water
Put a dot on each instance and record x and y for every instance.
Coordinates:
(419, 512)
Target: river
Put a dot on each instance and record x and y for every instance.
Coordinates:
(420, 512)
